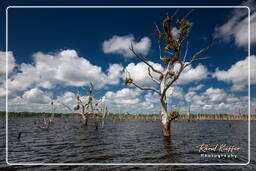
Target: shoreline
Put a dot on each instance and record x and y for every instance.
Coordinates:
(191, 117)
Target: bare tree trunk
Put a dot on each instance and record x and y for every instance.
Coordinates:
(84, 117)
(164, 118)
(85, 122)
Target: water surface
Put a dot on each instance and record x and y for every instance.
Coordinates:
(124, 141)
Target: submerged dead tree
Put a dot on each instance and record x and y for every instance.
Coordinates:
(86, 106)
(46, 122)
(170, 45)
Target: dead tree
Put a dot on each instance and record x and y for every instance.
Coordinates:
(46, 122)
(189, 114)
(171, 46)
(101, 108)
(86, 106)
(104, 114)
(51, 119)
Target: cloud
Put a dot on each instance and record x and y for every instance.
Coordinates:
(114, 73)
(236, 28)
(11, 62)
(139, 72)
(212, 100)
(36, 95)
(127, 100)
(198, 87)
(132, 100)
(124, 96)
(120, 45)
(32, 100)
(194, 98)
(215, 100)
(237, 74)
(2, 92)
(215, 94)
(191, 74)
(175, 92)
(37, 100)
(24, 79)
(67, 98)
(11, 65)
(64, 68)
(207, 107)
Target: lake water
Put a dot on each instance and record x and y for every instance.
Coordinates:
(125, 141)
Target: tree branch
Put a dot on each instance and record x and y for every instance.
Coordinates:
(197, 59)
(143, 59)
(146, 88)
(174, 117)
(188, 14)
(69, 108)
(155, 80)
(201, 51)
(186, 52)
(158, 41)
(176, 76)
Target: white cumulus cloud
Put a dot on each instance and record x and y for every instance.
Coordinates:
(36, 95)
(191, 74)
(236, 28)
(215, 94)
(123, 96)
(237, 74)
(11, 62)
(65, 68)
(120, 45)
(139, 72)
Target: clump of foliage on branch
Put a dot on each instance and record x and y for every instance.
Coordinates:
(174, 114)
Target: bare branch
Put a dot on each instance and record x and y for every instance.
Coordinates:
(169, 53)
(143, 59)
(186, 52)
(155, 80)
(146, 88)
(92, 108)
(201, 51)
(80, 101)
(197, 59)
(176, 11)
(69, 108)
(158, 41)
(188, 14)
(176, 76)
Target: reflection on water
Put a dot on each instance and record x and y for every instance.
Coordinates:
(167, 145)
(124, 141)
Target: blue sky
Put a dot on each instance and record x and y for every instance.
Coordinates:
(95, 40)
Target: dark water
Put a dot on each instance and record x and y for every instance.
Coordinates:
(125, 141)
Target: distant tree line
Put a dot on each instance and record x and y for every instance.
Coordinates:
(134, 116)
